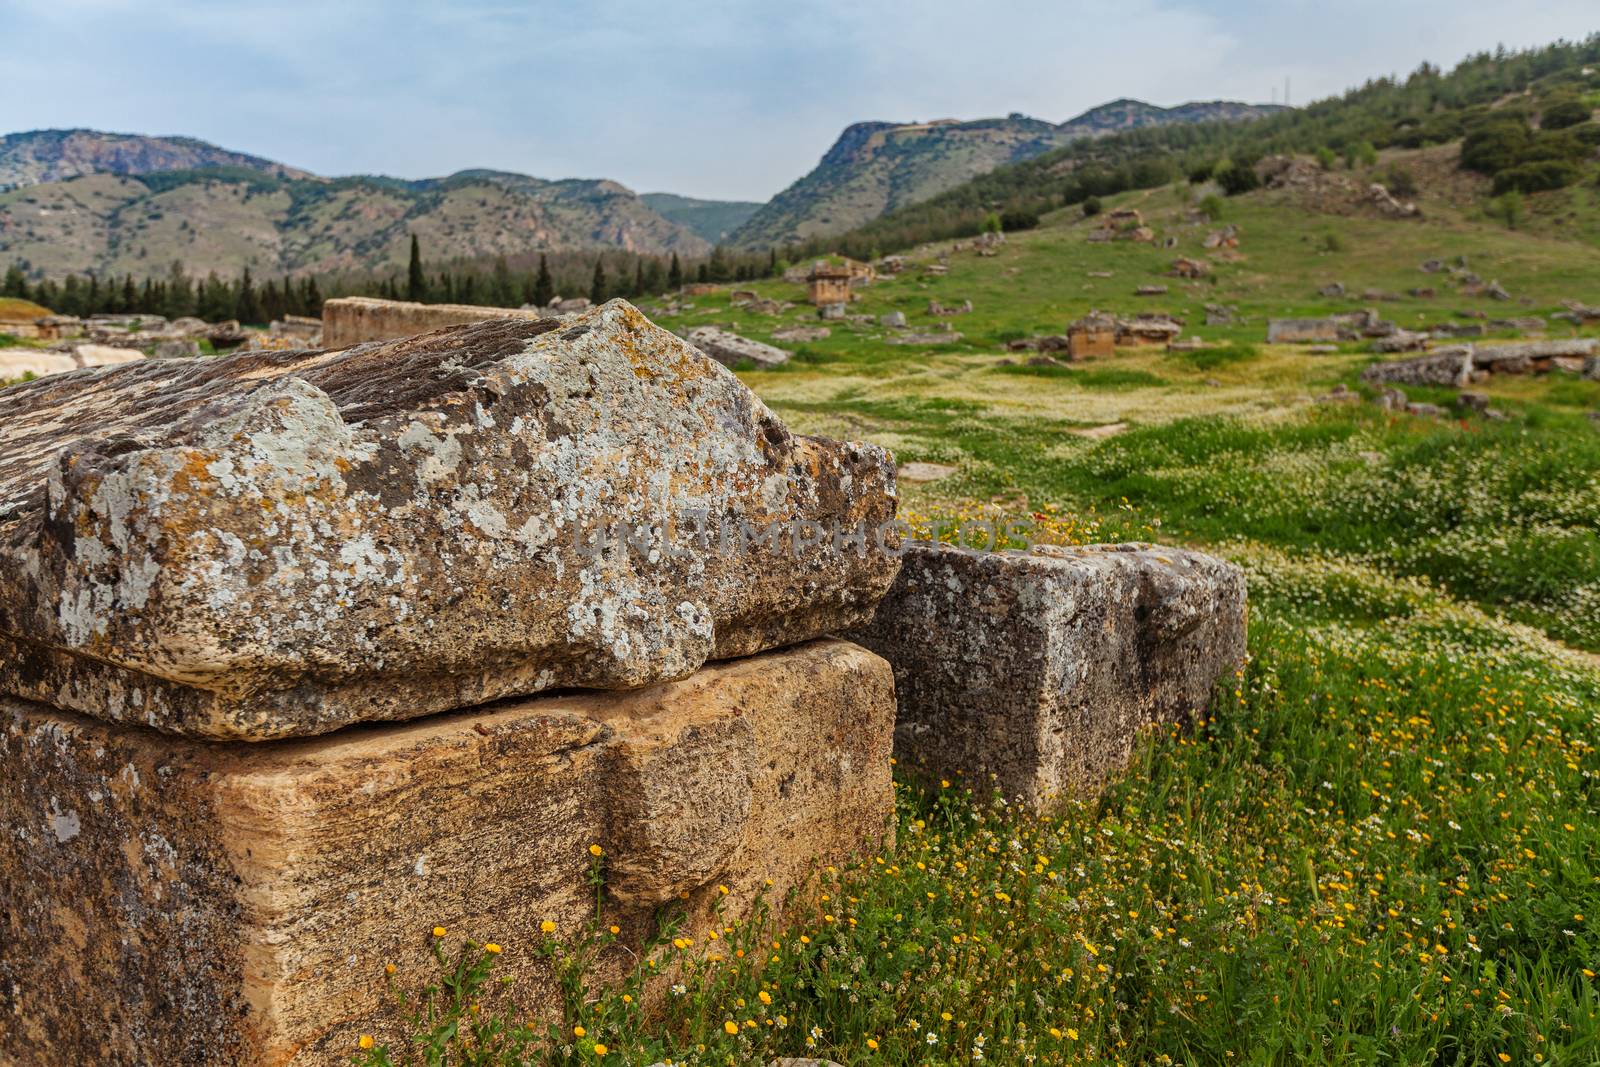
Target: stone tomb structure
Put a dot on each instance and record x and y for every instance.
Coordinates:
(245, 601)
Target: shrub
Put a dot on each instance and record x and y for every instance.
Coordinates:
(1237, 178)
(1201, 173)
(1494, 147)
(1092, 206)
(1507, 208)
(1018, 219)
(1326, 157)
(1537, 177)
(1564, 113)
(1211, 207)
(1400, 182)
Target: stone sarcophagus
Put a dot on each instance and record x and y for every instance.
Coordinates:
(255, 614)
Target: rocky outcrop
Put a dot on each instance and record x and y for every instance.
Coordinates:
(282, 543)
(351, 320)
(1034, 673)
(176, 901)
(731, 350)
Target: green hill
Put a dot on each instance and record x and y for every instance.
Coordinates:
(877, 167)
(1520, 114)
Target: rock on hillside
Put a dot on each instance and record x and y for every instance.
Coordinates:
(54, 155)
(876, 167)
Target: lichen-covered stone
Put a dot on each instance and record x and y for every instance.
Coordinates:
(185, 902)
(731, 350)
(1035, 672)
(280, 543)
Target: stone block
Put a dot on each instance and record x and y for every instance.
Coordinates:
(275, 544)
(184, 902)
(1035, 672)
(351, 320)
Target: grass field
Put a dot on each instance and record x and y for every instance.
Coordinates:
(1381, 848)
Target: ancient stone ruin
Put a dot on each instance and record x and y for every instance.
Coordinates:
(1033, 674)
(351, 320)
(304, 653)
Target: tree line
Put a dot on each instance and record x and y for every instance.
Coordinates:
(527, 279)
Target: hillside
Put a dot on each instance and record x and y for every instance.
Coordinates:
(713, 220)
(1526, 114)
(225, 219)
(38, 156)
(877, 167)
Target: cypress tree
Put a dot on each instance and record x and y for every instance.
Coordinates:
(675, 274)
(544, 287)
(597, 288)
(416, 281)
(246, 306)
(638, 277)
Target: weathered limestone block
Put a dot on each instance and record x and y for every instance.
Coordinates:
(351, 320)
(1037, 671)
(730, 349)
(1444, 366)
(187, 902)
(280, 543)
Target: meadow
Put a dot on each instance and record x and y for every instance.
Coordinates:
(1381, 844)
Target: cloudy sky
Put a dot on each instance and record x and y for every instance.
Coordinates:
(706, 97)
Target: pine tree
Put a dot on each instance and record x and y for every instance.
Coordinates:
(675, 274)
(416, 281)
(130, 295)
(311, 298)
(719, 269)
(597, 287)
(246, 305)
(638, 278)
(502, 290)
(180, 293)
(16, 283)
(703, 274)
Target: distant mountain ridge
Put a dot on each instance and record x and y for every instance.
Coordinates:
(714, 220)
(39, 156)
(75, 201)
(876, 167)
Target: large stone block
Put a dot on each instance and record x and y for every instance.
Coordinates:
(1036, 671)
(352, 320)
(186, 902)
(280, 543)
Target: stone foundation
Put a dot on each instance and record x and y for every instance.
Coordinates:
(1034, 674)
(181, 901)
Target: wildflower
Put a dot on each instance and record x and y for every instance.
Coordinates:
(872, 1044)
(438, 931)
(596, 851)
(578, 1031)
(492, 949)
(547, 927)
(366, 1041)
(616, 930)
(600, 1049)
(730, 1027)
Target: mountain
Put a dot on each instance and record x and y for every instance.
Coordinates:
(55, 155)
(877, 167)
(83, 201)
(714, 220)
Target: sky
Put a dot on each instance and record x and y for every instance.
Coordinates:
(706, 97)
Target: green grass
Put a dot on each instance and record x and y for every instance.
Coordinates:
(1380, 848)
